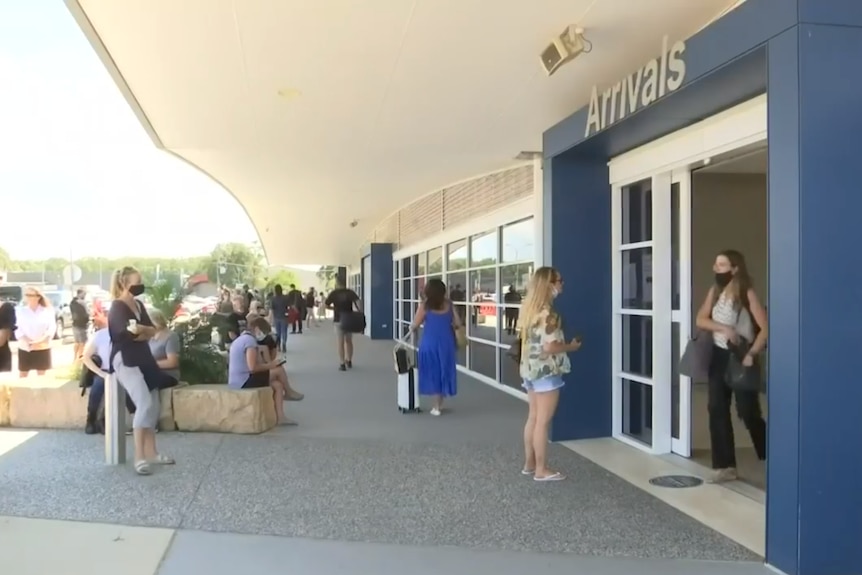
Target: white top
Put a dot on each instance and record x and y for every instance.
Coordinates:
(724, 313)
(34, 324)
(102, 343)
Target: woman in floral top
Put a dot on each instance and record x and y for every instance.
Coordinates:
(544, 360)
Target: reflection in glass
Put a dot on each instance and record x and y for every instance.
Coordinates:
(510, 371)
(518, 241)
(406, 289)
(483, 359)
(510, 327)
(483, 249)
(406, 267)
(637, 411)
(637, 278)
(407, 311)
(462, 356)
(420, 289)
(674, 380)
(456, 284)
(483, 321)
(483, 285)
(637, 345)
(637, 212)
(674, 245)
(513, 282)
(435, 261)
(457, 255)
(421, 264)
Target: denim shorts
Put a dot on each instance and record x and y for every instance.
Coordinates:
(544, 384)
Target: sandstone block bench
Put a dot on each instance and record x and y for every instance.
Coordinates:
(218, 408)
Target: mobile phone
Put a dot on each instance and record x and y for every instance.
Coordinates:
(579, 338)
(281, 362)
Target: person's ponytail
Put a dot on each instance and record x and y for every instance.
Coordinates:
(117, 284)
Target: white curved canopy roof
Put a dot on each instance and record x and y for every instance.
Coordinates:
(314, 114)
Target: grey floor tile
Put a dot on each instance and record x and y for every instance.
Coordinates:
(224, 554)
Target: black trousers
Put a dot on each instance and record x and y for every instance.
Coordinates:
(296, 323)
(720, 423)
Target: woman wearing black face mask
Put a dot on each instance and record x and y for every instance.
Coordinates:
(134, 366)
(732, 311)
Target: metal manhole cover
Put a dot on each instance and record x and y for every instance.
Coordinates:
(676, 481)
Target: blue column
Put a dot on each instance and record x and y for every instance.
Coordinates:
(577, 219)
(814, 500)
(341, 276)
(381, 296)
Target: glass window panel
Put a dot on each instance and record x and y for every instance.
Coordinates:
(637, 411)
(395, 290)
(420, 289)
(637, 212)
(513, 282)
(421, 264)
(407, 311)
(674, 379)
(510, 371)
(414, 263)
(462, 356)
(437, 277)
(483, 359)
(509, 325)
(483, 285)
(483, 249)
(483, 322)
(637, 278)
(406, 289)
(637, 345)
(406, 268)
(674, 245)
(456, 283)
(435, 261)
(518, 240)
(457, 256)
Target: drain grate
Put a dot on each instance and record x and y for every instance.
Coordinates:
(676, 481)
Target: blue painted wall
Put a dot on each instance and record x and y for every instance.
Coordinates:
(809, 51)
(341, 276)
(814, 505)
(577, 221)
(381, 294)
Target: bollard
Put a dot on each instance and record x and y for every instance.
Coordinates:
(115, 422)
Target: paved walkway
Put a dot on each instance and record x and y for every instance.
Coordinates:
(356, 488)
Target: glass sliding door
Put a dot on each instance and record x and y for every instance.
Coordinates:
(681, 309)
(643, 280)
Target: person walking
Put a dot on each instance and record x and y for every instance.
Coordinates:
(438, 376)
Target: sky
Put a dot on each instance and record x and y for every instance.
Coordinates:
(69, 143)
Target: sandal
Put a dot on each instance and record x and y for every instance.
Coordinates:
(557, 476)
(162, 459)
(528, 471)
(143, 468)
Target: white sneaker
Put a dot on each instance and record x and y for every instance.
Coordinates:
(435, 412)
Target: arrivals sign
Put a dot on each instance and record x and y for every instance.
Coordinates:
(658, 77)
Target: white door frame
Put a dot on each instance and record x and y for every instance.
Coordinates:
(682, 316)
(666, 161)
(366, 293)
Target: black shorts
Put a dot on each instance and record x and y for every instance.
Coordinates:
(256, 380)
(39, 360)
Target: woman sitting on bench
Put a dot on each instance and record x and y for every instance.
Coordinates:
(246, 370)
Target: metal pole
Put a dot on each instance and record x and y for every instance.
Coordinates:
(115, 422)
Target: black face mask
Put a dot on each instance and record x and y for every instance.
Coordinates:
(722, 279)
(137, 289)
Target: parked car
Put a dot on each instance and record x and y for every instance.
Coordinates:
(60, 301)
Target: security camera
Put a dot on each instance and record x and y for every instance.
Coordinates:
(563, 48)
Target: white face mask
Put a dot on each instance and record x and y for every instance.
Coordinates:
(260, 337)
(555, 291)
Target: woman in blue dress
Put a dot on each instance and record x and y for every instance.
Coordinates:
(438, 347)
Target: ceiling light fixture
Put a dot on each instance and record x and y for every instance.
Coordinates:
(289, 93)
(564, 48)
(528, 155)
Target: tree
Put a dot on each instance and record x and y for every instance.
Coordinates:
(327, 275)
(283, 278)
(5, 260)
(235, 264)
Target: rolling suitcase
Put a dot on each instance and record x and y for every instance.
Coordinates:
(408, 382)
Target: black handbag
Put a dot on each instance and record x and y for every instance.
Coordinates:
(352, 322)
(738, 376)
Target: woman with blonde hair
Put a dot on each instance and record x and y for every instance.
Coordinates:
(134, 366)
(543, 362)
(36, 326)
(165, 347)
